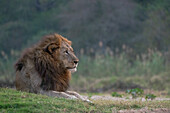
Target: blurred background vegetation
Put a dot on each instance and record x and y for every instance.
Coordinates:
(121, 44)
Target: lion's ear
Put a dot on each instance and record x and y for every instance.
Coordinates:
(54, 45)
(51, 48)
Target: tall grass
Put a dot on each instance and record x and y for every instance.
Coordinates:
(7, 75)
(108, 71)
(120, 66)
(122, 70)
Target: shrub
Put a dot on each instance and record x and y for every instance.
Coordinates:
(115, 94)
(135, 92)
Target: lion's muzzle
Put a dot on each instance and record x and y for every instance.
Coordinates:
(74, 69)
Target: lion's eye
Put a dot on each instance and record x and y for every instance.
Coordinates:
(53, 49)
(66, 51)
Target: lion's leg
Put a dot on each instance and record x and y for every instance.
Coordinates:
(58, 94)
(78, 96)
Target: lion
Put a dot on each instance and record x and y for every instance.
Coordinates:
(46, 68)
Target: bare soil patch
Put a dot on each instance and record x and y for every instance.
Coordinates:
(146, 110)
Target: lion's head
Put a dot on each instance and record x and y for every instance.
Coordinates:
(60, 50)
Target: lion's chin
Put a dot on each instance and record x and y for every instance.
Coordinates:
(73, 70)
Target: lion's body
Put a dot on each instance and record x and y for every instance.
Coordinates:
(37, 69)
(46, 68)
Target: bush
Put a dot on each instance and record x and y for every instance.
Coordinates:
(115, 94)
(137, 92)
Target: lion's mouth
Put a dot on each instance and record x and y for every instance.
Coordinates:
(72, 69)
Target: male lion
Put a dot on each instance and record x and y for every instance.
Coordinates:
(46, 68)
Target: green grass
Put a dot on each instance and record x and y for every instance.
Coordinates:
(16, 101)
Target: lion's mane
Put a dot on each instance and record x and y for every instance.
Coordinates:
(54, 75)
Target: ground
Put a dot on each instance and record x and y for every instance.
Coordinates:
(16, 101)
(139, 105)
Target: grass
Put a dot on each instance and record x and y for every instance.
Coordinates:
(16, 101)
(122, 71)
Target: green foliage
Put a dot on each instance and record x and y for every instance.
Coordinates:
(115, 94)
(140, 24)
(150, 96)
(135, 92)
(22, 20)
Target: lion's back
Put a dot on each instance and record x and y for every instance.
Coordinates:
(26, 74)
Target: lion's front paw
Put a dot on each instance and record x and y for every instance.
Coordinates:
(79, 96)
(70, 96)
(87, 100)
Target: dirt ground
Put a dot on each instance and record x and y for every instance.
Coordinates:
(143, 110)
(108, 97)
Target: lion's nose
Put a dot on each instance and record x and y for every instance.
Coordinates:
(76, 61)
